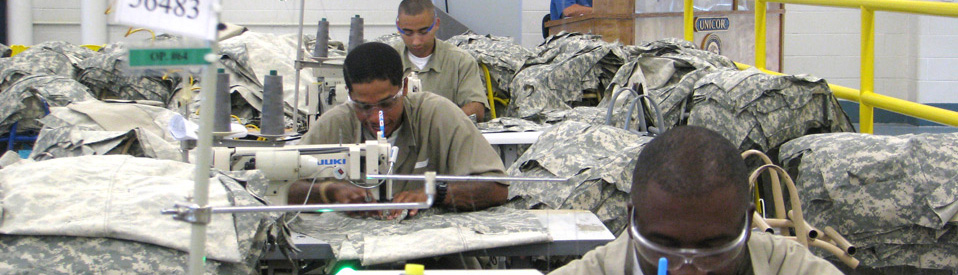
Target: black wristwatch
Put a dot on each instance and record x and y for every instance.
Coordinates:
(441, 189)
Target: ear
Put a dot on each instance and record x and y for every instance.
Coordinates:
(437, 23)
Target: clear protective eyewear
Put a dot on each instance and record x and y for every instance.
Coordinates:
(412, 32)
(707, 259)
(381, 105)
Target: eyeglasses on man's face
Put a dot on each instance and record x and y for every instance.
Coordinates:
(704, 259)
(409, 32)
(384, 104)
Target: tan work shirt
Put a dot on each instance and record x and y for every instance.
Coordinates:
(770, 254)
(435, 136)
(450, 72)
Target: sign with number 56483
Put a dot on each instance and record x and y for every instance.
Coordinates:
(186, 17)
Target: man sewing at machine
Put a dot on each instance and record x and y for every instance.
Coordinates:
(431, 132)
(690, 206)
(443, 68)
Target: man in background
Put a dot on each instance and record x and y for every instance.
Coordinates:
(443, 68)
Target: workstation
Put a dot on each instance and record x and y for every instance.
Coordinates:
(407, 137)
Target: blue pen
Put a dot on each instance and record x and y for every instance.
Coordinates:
(382, 126)
(663, 266)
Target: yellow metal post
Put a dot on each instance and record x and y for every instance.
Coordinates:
(866, 113)
(760, 35)
(689, 21)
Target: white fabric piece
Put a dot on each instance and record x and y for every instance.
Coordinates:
(116, 196)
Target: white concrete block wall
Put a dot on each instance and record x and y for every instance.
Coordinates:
(532, 12)
(915, 56)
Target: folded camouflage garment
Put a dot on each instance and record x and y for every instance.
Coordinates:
(599, 161)
(755, 110)
(500, 54)
(101, 214)
(98, 128)
(430, 233)
(895, 197)
(28, 99)
(47, 58)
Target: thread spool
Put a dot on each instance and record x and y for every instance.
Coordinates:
(271, 122)
(321, 49)
(221, 115)
(355, 32)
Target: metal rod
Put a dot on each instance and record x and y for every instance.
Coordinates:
(325, 207)
(463, 178)
(299, 56)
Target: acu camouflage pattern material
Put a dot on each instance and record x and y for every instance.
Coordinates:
(433, 232)
(599, 160)
(508, 124)
(58, 254)
(500, 54)
(755, 110)
(79, 129)
(560, 70)
(24, 101)
(895, 197)
(47, 58)
(108, 75)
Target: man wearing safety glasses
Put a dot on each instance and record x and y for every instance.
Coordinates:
(431, 132)
(690, 206)
(443, 68)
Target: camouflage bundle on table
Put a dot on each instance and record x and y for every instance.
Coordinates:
(599, 159)
(97, 128)
(500, 54)
(895, 197)
(667, 71)
(48, 58)
(508, 124)
(560, 70)
(108, 77)
(28, 99)
(101, 215)
(755, 110)
(432, 232)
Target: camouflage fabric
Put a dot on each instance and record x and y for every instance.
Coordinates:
(108, 76)
(5, 51)
(88, 128)
(500, 54)
(508, 124)
(388, 39)
(895, 197)
(60, 252)
(597, 158)
(560, 69)
(433, 232)
(755, 110)
(47, 58)
(24, 101)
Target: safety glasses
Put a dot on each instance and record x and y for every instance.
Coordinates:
(707, 259)
(412, 32)
(384, 104)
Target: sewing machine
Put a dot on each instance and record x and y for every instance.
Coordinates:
(285, 165)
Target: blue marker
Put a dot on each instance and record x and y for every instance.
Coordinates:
(663, 266)
(382, 126)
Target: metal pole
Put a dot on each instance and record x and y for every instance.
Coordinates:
(299, 56)
(93, 22)
(204, 152)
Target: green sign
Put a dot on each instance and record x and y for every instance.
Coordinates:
(168, 57)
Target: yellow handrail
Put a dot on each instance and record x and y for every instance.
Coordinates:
(866, 97)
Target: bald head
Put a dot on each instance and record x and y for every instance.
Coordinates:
(688, 161)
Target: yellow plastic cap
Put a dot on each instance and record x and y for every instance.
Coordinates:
(414, 269)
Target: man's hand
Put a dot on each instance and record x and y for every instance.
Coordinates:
(417, 195)
(576, 10)
(341, 192)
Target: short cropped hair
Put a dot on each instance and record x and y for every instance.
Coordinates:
(372, 61)
(687, 161)
(414, 7)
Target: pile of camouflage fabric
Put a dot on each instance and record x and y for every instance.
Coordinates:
(500, 54)
(599, 161)
(101, 215)
(894, 197)
(98, 128)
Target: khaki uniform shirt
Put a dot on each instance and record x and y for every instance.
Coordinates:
(450, 72)
(435, 136)
(769, 254)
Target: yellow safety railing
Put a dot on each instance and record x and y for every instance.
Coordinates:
(866, 97)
